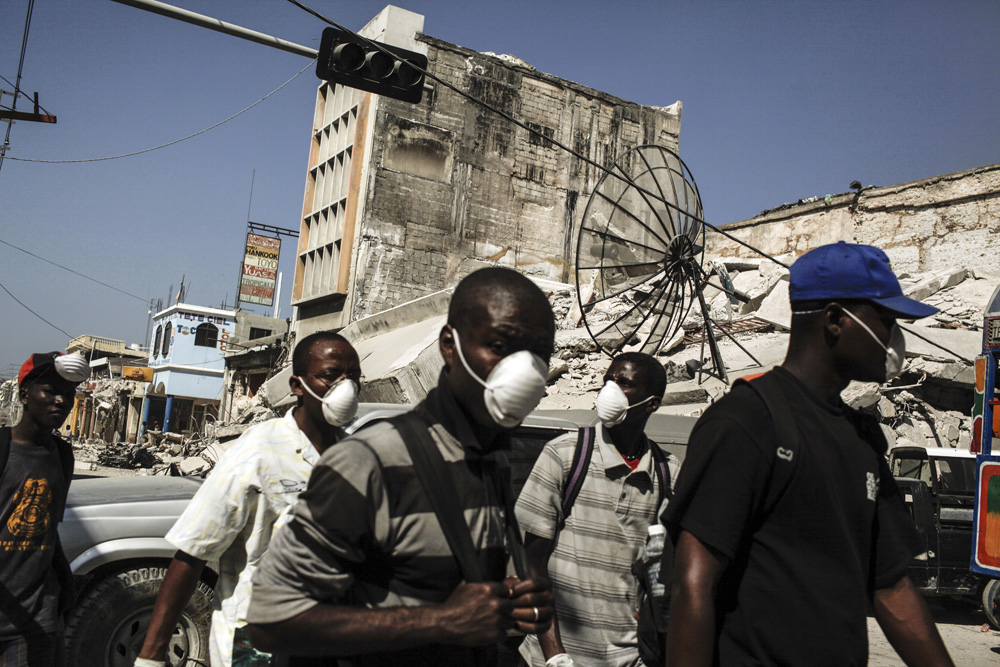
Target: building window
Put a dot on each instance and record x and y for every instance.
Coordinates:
(259, 333)
(206, 335)
(156, 340)
(166, 339)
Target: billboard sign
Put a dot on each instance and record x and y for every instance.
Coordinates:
(137, 373)
(260, 270)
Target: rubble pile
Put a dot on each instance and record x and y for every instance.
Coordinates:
(928, 405)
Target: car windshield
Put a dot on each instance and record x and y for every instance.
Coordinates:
(955, 474)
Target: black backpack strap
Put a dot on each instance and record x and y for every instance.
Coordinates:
(5, 438)
(582, 455)
(515, 545)
(662, 471)
(440, 489)
(770, 392)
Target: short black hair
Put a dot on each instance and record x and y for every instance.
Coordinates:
(653, 372)
(494, 282)
(303, 350)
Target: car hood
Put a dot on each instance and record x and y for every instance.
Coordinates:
(119, 490)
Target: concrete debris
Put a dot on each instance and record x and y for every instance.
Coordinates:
(932, 411)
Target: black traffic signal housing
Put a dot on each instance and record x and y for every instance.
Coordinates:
(350, 61)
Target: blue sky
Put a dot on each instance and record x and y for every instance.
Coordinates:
(782, 100)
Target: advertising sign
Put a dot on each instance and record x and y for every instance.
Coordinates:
(137, 373)
(260, 270)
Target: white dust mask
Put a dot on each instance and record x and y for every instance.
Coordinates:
(895, 352)
(514, 386)
(340, 403)
(612, 404)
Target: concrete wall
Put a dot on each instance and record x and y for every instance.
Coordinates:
(946, 221)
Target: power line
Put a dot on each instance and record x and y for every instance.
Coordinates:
(28, 252)
(171, 143)
(34, 313)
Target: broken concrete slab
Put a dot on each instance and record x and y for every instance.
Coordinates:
(193, 465)
(775, 307)
(936, 282)
(684, 397)
(942, 344)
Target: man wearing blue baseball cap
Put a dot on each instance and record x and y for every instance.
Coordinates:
(787, 524)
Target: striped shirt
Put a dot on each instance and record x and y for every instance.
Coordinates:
(364, 533)
(233, 515)
(590, 568)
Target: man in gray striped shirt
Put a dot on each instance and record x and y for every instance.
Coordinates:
(589, 554)
(363, 571)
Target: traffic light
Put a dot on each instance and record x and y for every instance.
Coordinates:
(350, 61)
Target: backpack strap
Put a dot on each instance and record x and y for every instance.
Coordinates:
(5, 438)
(770, 392)
(582, 455)
(584, 452)
(662, 471)
(440, 489)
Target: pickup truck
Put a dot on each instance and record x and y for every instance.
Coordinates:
(938, 487)
(113, 535)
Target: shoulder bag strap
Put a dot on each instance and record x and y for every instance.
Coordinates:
(440, 489)
(578, 468)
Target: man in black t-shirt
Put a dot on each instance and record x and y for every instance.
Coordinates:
(786, 534)
(36, 467)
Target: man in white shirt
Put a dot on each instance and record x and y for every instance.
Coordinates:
(247, 496)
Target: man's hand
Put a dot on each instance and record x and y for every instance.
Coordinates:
(479, 614)
(533, 605)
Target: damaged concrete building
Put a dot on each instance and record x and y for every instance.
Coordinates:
(402, 200)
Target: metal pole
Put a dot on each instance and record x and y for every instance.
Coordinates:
(220, 26)
(277, 296)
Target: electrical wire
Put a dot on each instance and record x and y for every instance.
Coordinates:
(171, 143)
(621, 177)
(34, 313)
(28, 252)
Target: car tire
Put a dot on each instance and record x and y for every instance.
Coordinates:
(108, 624)
(991, 602)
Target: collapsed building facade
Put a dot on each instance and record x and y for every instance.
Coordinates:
(402, 200)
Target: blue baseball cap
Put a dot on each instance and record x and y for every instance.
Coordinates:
(851, 271)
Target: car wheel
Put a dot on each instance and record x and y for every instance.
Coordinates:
(991, 602)
(108, 624)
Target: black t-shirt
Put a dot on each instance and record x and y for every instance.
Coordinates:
(32, 498)
(805, 560)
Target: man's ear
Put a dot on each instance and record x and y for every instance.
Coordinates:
(833, 316)
(446, 344)
(296, 386)
(653, 405)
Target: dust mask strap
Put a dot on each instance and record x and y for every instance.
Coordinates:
(895, 351)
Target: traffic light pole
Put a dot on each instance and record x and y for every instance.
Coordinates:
(170, 11)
